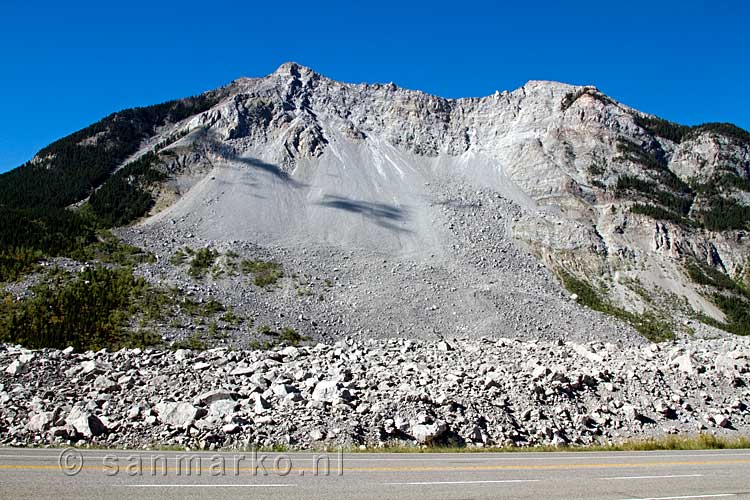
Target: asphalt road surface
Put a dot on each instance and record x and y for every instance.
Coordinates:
(96, 474)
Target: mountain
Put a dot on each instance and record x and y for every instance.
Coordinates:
(397, 213)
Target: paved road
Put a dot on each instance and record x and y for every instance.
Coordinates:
(96, 474)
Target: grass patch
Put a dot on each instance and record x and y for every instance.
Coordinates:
(647, 324)
(265, 274)
(672, 442)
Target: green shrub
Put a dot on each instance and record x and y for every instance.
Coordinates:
(180, 256)
(265, 274)
(729, 296)
(737, 312)
(705, 275)
(291, 337)
(202, 260)
(257, 345)
(231, 318)
(212, 307)
(110, 250)
(596, 169)
(266, 330)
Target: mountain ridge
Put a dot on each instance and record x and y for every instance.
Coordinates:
(614, 203)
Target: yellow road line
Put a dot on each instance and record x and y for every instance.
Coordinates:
(145, 466)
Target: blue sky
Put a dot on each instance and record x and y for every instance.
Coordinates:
(65, 65)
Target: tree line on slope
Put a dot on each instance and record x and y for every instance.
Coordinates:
(672, 199)
(69, 169)
(34, 197)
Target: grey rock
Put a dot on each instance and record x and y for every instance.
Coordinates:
(328, 391)
(210, 397)
(84, 423)
(105, 384)
(428, 433)
(15, 368)
(231, 428)
(39, 422)
(179, 414)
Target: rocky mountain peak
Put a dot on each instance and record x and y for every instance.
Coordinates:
(293, 69)
(493, 199)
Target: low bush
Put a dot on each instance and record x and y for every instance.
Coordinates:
(265, 274)
(201, 262)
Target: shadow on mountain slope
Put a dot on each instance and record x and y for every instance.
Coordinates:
(382, 214)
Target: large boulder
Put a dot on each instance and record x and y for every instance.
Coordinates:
(84, 423)
(39, 422)
(685, 363)
(428, 433)
(210, 397)
(179, 414)
(223, 407)
(329, 391)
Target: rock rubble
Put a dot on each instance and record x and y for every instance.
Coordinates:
(474, 392)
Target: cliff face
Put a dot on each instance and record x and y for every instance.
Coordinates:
(595, 189)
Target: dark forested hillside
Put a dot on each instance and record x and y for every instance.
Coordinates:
(124, 196)
(69, 169)
(34, 196)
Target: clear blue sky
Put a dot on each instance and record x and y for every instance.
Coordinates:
(65, 65)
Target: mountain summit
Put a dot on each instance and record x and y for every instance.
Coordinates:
(395, 212)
